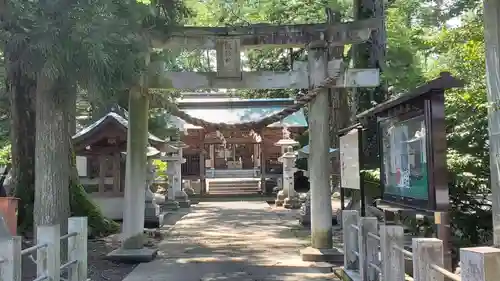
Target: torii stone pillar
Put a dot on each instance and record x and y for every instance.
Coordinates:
(292, 200)
(132, 236)
(492, 40)
(318, 162)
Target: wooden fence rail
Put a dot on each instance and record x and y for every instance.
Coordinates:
(376, 253)
(47, 249)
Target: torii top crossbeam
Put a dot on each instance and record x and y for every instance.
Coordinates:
(266, 35)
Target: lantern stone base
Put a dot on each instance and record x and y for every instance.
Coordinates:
(184, 203)
(305, 213)
(292, 203)
(334, 256)
(183, 199)
(151, 214)
(280, 199)
(170, 205)
(132, 255)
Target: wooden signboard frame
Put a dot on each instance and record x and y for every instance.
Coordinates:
(426, 101)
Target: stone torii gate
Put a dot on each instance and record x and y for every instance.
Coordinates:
(228, 43)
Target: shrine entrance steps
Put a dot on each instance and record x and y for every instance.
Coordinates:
(232, 241)
(233, 186)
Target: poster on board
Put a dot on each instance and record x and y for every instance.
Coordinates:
(349, 160)
(404, 158)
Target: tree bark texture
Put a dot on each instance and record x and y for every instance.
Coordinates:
(22, 92)
(371, 55)
(52, 163)
(339, 109)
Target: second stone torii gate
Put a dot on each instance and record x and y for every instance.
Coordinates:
(228, 43)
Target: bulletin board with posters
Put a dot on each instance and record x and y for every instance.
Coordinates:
(411, 137)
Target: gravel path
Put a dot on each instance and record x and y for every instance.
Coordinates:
(226, 241)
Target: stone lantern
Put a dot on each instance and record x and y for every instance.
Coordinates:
(170, 156)
(177, 190)
(287, 194)
(152, 209)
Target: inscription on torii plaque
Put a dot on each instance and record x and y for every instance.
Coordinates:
(228, 58)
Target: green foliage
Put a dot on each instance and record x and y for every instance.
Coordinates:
(462, 53)
(5, 155)
(97, 45)
(303, 141)
(161, 169)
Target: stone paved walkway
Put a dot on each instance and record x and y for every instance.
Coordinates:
(231, 241)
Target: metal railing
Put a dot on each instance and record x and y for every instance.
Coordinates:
(48, 249)
(377, 253)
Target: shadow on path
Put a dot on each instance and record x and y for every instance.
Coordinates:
(230, 241)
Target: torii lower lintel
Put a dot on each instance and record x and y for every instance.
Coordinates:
(297, 79)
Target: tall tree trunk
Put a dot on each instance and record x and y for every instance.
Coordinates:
(339, 111)
(52, 148)
(22, 92)
(369, 55)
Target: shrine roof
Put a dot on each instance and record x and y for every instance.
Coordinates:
(111, 117)
(234, 110)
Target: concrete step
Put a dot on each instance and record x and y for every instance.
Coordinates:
(220, 190)
(234, 192)
(235, 184)
(215, 187)
(235, 174)
(218, 187)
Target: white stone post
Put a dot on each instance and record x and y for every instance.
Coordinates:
(368, 248)
(480, 264)
(492, 41)
(427, 252)
(350, 219)
(49, 257)
(319, 162)
(10, 258)
(77, 248)
(393, 261)
(292, 200)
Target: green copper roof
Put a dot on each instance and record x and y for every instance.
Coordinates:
(242, 115)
